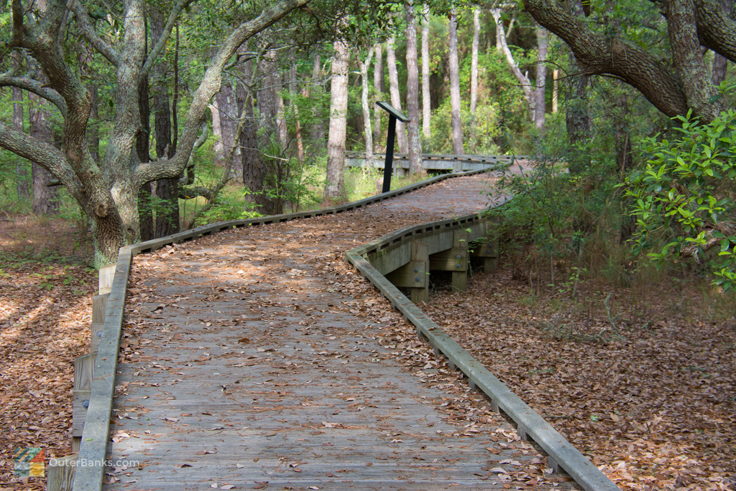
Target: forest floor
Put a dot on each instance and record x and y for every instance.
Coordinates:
(641, 379)
(45, 310)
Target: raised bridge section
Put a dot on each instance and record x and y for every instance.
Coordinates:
(257, 358)
(434, 162)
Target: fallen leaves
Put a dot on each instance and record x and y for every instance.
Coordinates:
(653, 405)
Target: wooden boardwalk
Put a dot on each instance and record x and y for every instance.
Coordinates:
(257, 358)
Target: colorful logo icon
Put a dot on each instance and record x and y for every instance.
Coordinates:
(29, 462)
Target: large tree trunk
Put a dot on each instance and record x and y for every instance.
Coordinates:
(45, 197)
(426, 99)
(334, 187)
(688, 56)
(379, 90)
(367, 130)
(457, 128)
(393, 87)
(259, 134)
(412, 92)
(541, 75)
(224, 115)
(167, 190)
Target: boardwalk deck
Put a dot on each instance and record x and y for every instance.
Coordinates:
(256, 358)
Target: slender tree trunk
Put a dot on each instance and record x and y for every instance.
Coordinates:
(367, 130)
(334, 187)
(426, 96)
(474, 63)
(224, 113)
(298, 136)
(253, 167)
(457, 128)
(45, 198)
(555, 90)
(526, 85)
(412, 92)
(378, 88)
(21, 167)
(393, 86)
(318, 128)
(541, 75)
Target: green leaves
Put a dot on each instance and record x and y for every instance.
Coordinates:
(685, 193)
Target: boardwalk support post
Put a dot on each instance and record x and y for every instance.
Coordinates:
(454, 259)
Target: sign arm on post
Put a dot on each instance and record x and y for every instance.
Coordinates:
(393, 115)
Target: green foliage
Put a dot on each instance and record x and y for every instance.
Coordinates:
(684, 196)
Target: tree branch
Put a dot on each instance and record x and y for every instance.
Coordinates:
(8, 80)
(598, 55)
(208, 87)
(41, 153)
(83, 21)
(716, 28)
(161, 41)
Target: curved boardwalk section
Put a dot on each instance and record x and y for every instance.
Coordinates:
(256, 358)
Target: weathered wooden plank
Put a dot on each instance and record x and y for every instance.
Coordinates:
(60, 473)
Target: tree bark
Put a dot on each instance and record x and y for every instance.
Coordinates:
(688, 57)
(457, 129)
(45, 198)
(367, 130)
(166, 190)
(334, 187)
(224, 115)
(318, 128)
(379, 90)
(393, 86)
(426, 99)
(21, 169)
(412, 92)
(541, 76)
(474, 63)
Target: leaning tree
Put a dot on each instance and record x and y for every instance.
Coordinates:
(107, 187)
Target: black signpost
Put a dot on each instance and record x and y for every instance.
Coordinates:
(393, 115)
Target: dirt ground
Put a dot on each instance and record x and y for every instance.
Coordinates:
(642, 380)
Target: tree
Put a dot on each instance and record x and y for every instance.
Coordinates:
(334, 186)
(367, 130)
(107, 188)
(393, 87)
(426, 100)
(457, 128)
(691, 26)
(412, 92)
(474, 62)
(533, 93)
